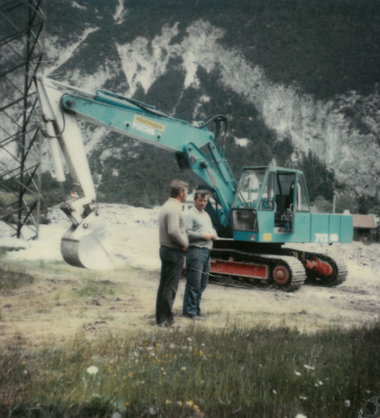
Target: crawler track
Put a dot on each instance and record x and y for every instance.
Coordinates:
(244, 264)
(336, 275)
(283, 271)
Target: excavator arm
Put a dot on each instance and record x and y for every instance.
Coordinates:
(193, 145)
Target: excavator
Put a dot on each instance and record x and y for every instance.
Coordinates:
(257, 218)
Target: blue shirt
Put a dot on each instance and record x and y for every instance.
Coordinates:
(199, 224)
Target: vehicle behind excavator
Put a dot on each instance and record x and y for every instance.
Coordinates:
(255, 217)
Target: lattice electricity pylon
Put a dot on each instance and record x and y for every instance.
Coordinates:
(22, 25)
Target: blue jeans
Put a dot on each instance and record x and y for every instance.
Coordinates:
(197, 270)
(172, 261)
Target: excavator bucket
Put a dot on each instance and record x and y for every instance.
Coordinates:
(86, 245)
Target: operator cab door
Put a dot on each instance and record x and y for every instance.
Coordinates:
(285, 185)
(291, 199)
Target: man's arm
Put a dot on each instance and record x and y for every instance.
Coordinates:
(174, 230)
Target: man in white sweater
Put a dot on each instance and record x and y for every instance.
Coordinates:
(173, 245)
(201, 233)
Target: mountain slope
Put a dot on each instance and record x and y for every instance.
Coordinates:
(297, 80)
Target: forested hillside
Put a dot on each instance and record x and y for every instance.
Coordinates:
(319, 57)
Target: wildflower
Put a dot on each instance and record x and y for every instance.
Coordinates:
(301, 416)
(347, 403)
(130, 374)
(190, 403)
(297, 373)
(303, 398)
(126, 403)
(179, 403)
(172, 345)
(92, 370)
(274, 391)
(307, 367)
(168, 402)
(183, 368)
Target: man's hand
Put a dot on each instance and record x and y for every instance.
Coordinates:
(209, 237)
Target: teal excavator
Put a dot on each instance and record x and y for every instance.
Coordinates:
(255, 217)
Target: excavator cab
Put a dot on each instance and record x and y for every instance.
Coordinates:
(272, 206)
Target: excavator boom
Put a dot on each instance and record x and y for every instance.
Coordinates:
(193, 145)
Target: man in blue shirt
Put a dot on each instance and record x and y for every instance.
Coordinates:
(200, 233)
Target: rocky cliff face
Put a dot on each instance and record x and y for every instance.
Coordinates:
(189, 68)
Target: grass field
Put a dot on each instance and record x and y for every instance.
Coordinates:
(238, 370)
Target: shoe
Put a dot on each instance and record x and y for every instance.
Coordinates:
(167, 323)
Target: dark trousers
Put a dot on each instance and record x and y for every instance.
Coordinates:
(172, 261)
(197, 271)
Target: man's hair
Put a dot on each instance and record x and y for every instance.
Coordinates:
(176, 187)
(202, 193)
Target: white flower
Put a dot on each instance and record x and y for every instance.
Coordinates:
(297, 373)
(301, 416)
(183, 368)
(92, 370)
(274, 391)
(347, 403)
(172, 345)
(307, 367)
(303, 398)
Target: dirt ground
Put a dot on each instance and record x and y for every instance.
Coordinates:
(63, 301)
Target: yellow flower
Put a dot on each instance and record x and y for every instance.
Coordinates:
(126, 403)
(190, 403)
(168, 401)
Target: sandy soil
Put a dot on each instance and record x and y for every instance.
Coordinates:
(63, 301)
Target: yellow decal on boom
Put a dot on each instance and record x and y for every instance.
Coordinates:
(268, 237)
(150, 123)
